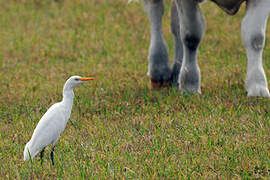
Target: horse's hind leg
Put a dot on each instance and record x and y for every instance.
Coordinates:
(178, 46)
(253, 35)
(192, 27)
(159, 65)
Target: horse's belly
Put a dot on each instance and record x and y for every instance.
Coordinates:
(229, 6)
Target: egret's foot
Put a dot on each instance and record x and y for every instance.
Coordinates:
(189, 80)
(258, 90)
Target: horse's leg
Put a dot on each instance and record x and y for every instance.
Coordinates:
(192, 27)
(253, 35)
(159, 65)
(178, 46)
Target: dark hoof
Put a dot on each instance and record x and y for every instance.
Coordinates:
(160, 84)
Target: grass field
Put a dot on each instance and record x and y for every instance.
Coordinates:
(120, 128)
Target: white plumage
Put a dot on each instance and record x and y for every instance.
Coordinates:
(53, 122)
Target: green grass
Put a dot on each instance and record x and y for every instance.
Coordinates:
(119, 127)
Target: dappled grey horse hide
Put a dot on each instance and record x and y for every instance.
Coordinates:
(188, 27)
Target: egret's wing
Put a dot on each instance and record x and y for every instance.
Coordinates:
(49, 128)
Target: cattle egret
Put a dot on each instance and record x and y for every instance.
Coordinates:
(53, 122)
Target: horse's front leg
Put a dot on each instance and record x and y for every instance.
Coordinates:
(159, 66)
(178, 45)
(192, 27)
(253, 35)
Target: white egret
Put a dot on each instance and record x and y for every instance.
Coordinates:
(53, 122)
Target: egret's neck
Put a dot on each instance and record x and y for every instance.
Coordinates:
(68, 94)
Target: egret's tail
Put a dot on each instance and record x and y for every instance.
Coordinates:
(26, 152)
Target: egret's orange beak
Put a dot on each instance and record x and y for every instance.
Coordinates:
(86, 78)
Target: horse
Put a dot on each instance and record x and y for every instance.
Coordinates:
(188, 28)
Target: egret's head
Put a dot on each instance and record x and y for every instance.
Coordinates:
(74, 81)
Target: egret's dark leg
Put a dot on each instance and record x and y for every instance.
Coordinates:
(41, 155)
(52, 155)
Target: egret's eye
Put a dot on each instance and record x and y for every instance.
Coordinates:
(77, 79)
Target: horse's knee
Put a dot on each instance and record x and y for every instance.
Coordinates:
(192, 24)
(253, 34)
(191, 41)
(253, 39)
(257, 41)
